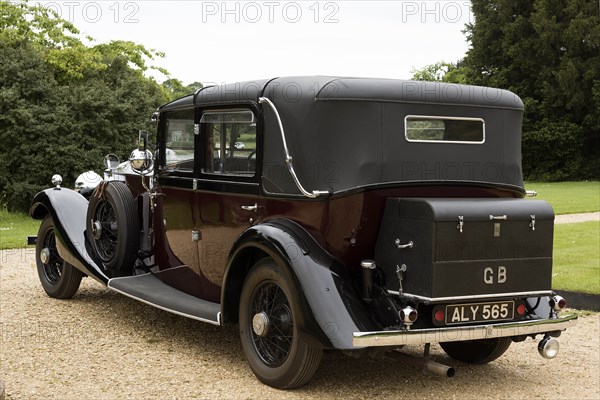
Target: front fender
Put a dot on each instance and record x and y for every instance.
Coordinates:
(335, 311)
(68, 210)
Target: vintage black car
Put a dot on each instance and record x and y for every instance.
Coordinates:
(318, 213)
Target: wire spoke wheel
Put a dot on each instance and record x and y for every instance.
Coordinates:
(273, 333)
(271, 308)
(58, 278)
(113, 228)
(105, 231)
(52, 263)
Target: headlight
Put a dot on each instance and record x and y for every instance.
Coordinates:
(141, 161)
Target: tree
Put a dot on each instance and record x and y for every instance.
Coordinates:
(64, 105)
(176, 89)
(441, 71)
(547, 52)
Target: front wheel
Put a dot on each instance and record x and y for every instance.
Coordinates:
(269, 329)
(58, 278)
(477, 351)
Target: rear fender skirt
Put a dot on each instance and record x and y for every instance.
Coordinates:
(68, 210)
(333, 309)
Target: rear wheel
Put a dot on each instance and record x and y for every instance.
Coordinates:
(269, 329)
(477, 351)
(58, 278)
(112, 227)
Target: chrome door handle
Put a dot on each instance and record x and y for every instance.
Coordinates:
(408, 245)
(250, 208)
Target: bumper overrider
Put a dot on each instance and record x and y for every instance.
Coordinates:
(463, 333)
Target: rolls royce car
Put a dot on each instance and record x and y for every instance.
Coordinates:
(322, 213)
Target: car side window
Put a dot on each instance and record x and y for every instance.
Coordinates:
(229, 142)
(179, 140)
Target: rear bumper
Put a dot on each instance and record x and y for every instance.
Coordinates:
(456, 334)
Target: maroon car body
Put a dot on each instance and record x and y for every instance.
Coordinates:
(324, 213)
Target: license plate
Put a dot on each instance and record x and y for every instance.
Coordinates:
(480, 312)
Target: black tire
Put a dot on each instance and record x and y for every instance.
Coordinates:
(59, 279)
(113, 228)
(275, 350)
(477, 351)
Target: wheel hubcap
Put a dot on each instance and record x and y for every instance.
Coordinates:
(261, 324)
(45, 256)
(96, 229)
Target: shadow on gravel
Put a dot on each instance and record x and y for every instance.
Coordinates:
(181, 336)
(154, 325)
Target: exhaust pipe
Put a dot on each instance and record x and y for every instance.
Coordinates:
(420, 362)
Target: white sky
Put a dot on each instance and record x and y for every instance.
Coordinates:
(228, 41)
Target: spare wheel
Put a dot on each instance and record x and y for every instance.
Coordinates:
(113, 228)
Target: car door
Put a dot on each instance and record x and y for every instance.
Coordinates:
(226, 197)
(175, 223)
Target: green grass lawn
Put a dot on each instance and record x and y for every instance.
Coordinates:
(577, 257)
(568, 197)
(14, 229)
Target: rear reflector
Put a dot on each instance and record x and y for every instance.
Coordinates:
(439, 315)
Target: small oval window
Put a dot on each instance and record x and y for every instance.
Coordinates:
(444, 129)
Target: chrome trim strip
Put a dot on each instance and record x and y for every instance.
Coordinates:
(288, 157)
(455, 334)
(472, 297)
(208, 180)
(441, 117)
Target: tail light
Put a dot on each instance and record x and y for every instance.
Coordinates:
(408, 315)
(558, 303)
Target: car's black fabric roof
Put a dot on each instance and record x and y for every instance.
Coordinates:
(346, 133)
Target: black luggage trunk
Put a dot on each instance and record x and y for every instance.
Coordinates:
(466, 247)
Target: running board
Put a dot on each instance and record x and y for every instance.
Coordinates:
(149, 289)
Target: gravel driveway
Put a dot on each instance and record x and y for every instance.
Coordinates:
(101, 345)
(574, 218)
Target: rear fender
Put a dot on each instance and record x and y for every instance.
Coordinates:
(331, 309)
(68, 211)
